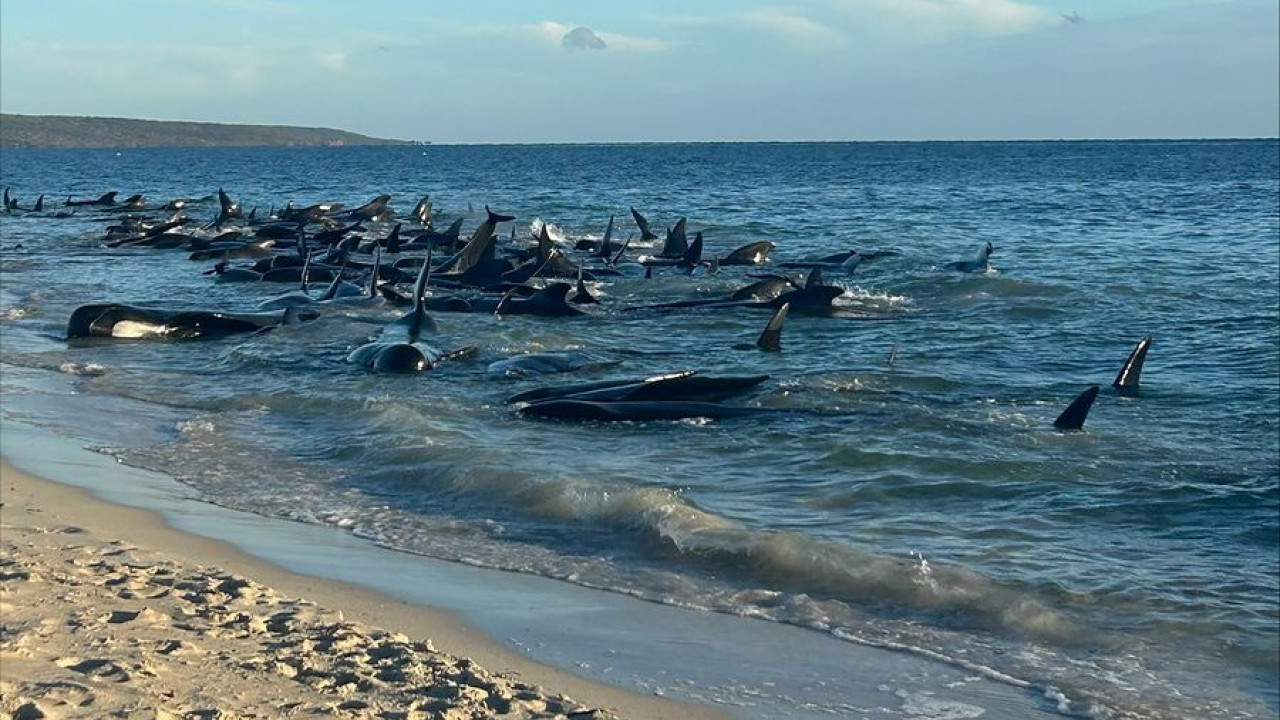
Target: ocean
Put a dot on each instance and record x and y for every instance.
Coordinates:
(915, 494)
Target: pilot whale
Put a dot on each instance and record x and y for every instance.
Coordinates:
(400, 348)
(982, 263)
(636, 411)
(129, 321)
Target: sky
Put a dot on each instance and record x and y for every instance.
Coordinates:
(491, 71)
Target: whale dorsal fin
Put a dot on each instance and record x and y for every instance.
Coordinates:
(608, 238)
(332, 291)
(1126, 382)
(693, 253)
(771, 339)
(583, 296)
(419, 299)
(393, 240)
(373, 273)
(1073, 417)
(545, 246)
(676, 244)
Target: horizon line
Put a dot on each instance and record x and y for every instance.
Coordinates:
(420, 142)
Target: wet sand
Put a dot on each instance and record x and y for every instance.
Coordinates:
(106, 611)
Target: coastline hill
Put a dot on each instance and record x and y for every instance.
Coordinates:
(64, 131)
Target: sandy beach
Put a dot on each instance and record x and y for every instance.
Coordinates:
(107, 612)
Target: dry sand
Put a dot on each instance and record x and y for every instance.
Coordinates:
(107, 612)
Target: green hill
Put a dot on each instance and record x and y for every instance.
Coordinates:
(28, 131)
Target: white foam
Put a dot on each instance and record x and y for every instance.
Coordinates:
(82, 369)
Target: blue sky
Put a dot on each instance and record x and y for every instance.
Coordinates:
(662, 70)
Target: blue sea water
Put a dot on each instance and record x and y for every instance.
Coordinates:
(924, 503)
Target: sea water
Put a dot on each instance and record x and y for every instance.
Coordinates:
(915, 497)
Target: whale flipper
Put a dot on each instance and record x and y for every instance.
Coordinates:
(621, 251)
(771, 339)
(1073, 417)
(1126, 383)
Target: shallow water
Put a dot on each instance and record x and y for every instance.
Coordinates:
(925, 503)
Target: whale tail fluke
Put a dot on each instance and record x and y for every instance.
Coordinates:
(495, 218)
(643, 225)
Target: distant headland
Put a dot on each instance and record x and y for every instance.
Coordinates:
(65, 131)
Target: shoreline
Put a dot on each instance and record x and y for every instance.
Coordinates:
(48, 525)
(604, 649)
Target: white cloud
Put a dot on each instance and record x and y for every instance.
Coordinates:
(332, 60)
(932, 19)
(783, 24)
(793, 27)
(632, 43)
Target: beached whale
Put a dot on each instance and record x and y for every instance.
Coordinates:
(755, 253)
(477, 264)
(401, 347)
(115, 320)
(549, 363)
(103, 200)
(635, 411)
(684, 385)
(550, 301)
(813, 297)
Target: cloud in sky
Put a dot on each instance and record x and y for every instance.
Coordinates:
(784, 24)
(582, 38)
(933, 19)
(830, 69)
(793, 27)
(332, 60)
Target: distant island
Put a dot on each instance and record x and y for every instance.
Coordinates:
(65, 131)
